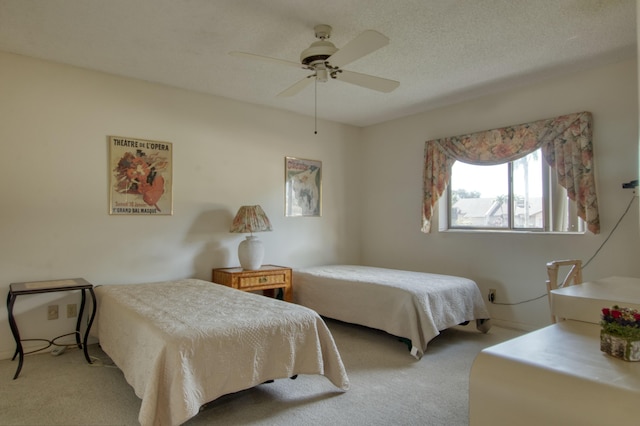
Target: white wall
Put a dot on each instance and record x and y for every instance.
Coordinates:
(54, 221)
(512, 264)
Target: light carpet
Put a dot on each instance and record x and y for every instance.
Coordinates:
(388, 387)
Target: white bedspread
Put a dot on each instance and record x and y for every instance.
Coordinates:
(184, 343)
(413, 305)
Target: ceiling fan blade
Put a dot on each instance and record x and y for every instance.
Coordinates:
(267, 59)
(296, 87)
(368, 81)
(360, 46)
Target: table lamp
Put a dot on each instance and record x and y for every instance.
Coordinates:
(250, 251)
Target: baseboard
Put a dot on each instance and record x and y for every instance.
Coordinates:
(514, 325)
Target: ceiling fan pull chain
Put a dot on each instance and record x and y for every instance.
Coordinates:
(315, 112)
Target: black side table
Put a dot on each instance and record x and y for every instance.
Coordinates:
(18, 289)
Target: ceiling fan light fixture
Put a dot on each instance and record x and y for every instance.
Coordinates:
(322, 75)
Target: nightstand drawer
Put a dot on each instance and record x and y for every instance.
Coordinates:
(244, 282)
(266, 279)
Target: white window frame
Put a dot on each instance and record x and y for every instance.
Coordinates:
(564, 221)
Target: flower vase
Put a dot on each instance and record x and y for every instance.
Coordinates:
(620, 347)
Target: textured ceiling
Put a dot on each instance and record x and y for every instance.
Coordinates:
(441, 51)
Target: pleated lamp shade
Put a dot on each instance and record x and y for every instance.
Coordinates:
(250, 219)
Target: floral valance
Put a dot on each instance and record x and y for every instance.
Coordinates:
(566, 145)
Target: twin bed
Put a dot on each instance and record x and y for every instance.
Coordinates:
(412, 305)
(184, 343)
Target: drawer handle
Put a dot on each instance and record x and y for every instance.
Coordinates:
(263, 280)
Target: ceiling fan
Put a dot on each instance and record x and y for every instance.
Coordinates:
(325, 61)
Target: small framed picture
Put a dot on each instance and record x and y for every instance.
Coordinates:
(303, 187)
(140, 177)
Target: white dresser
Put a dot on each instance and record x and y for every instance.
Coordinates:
(553, 376)
(557, 375)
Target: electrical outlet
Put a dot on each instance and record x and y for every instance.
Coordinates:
(492, 295)
(72, 310)
(52, 312)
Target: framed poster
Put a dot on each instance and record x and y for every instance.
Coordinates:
(140, 177)
(303, 187)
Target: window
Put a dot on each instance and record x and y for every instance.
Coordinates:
(520, 195)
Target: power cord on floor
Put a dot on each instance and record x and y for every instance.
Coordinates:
(493, 302)
(519, 303)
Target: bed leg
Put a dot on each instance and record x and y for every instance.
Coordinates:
(483, 325)
(406, 342)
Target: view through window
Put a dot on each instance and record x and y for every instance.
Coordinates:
(519, 195)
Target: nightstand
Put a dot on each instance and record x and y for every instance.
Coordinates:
(267, 278)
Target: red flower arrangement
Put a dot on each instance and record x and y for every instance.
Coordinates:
(621, 322)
